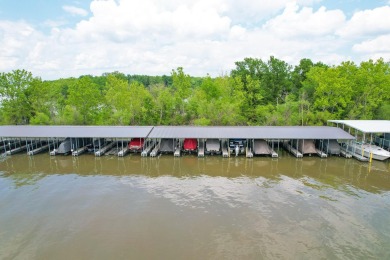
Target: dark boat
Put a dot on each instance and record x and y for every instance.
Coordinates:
(237, 146)
(330, 146)
(72, 144)
(167, 145)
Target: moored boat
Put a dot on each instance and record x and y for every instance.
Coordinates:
(136, 144)
(329, 146)
(366, 149)
(190, 145)
(213, 146)
(167, 145)
(237, 146)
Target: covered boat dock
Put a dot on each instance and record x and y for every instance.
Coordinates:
(225, 140)
(272, 136)
(368, 134)
(366, 127)
(37, 139)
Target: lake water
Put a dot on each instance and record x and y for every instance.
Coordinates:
(193, 208)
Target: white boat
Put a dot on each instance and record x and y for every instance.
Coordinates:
(366, 149)
(213, 146)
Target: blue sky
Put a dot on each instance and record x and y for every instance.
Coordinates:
(41, 12)
(37, 10)
(56, 38)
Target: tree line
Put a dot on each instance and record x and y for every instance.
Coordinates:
(256, 92)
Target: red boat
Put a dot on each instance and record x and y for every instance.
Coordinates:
(190, 145)
(136, 144)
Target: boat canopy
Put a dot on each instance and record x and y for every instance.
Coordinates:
(179, 132)
(250, 132)
(366, 126)
(75, 131)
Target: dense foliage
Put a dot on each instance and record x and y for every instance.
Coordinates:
(255, 93)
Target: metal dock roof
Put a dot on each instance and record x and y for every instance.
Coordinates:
(247, 132)
(250, 132)
(366, 126)
(75, 131)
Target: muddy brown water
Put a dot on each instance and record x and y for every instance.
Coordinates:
(193, 208)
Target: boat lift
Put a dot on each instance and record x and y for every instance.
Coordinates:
(148, 146)
(201, 147)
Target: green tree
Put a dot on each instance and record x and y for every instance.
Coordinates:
(117, 98)
(140, 104)
(252, 99)
(85, 97)
(371, 89)
(15, 91)
(130, 104)
(333, 92)
(274, 77)
(218, 102)
(163, 105)
(41, 99)
(181, 87)
(276, 81)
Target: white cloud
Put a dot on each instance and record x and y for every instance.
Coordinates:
(379, 44)
(75, 10)
(252, 12)
(305, 22)
(55, 23)
(367, 23)
(153, 37)
(16, 41)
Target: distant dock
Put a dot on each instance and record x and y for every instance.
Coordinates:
(14, 139)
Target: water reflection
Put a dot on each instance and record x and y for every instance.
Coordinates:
(313, 172)
(174, 208)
